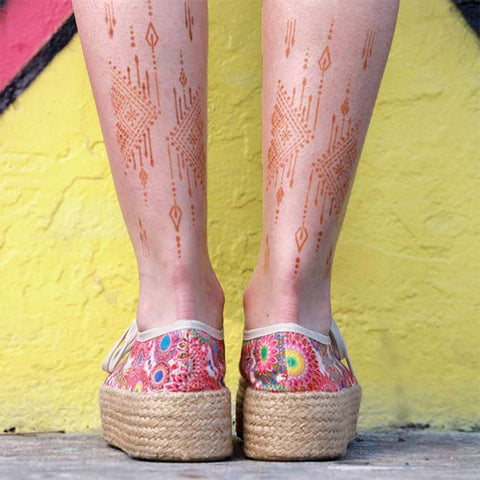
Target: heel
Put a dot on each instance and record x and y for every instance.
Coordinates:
(172, 426)
(299, 425)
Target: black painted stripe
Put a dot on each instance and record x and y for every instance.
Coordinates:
(470, 9)
(28, 73)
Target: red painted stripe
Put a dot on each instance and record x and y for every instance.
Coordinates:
(25, 26)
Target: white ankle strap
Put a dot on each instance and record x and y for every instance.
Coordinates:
(285, 327)
(116, 354)
(132, 334)
(338, 343)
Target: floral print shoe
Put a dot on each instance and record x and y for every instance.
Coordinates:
(166, 400)
(296, 399)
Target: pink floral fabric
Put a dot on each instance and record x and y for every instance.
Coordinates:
(292, 362)
(186, 360)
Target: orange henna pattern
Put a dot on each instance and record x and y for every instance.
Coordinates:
(290, 35)
(266, 261)
(292, 128)
(110, 19)
(331, 173)
(143, 239)
(131, 97)
(186, 147)
(188, 18)
(328, 265)
(367, 47)
(334, 168)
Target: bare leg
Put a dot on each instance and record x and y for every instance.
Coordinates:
(323, 64)
(147, 62)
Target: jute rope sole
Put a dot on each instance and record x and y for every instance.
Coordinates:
(171, 426)
(296, 426)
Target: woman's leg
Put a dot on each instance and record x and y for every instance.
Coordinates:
(323, 63)
(147, 62)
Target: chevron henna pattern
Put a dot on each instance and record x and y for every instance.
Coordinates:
(136, 104)
(330, 174)
(293, 122)
(186, 148)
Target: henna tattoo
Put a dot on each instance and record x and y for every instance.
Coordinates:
(266, 260)
(324, 63)
(188, 17)
(294, 122)
(132, 37)
(290, 35)
(334, 168)
(367, 47)
(331, 173)
(301, 234)
(186, 147)
(290, 133)
(143, 239)
(110, 19)
(292, 129)
(328, 265)
(131, 99)
(319, 240)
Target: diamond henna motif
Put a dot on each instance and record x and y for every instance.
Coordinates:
(152, 36)
(175, 215)
(325, 61)
(301, 236)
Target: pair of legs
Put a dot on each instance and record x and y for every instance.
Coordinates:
(323, 61)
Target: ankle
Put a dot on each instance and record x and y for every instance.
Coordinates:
(270, 299)
(182, 292)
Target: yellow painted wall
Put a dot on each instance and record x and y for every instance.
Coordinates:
(406, 274)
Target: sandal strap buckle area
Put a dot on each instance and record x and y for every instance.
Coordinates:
(132, 334)
(339, 345)
(117, 352)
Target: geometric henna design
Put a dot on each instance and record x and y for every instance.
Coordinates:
(324, 63)
(131, 97)
(110, 19)
(188, 18)
(331, 172)
(290, 132)
(143, 239)
(292, 128)
(135, 114)
(152, 39)
(367, 47)
(334, 168)
(186, 147)
(266, 261)
(301, 234)
(290, 35)
(328, 265)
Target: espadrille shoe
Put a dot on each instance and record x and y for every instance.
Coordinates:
(296, 399)
(167, 399)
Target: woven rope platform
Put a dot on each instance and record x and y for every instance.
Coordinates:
(296, 426)
(170, 426)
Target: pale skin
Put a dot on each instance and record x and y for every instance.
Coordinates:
(323, 63)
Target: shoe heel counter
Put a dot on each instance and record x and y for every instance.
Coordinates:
(206, 362)
(292, 362)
